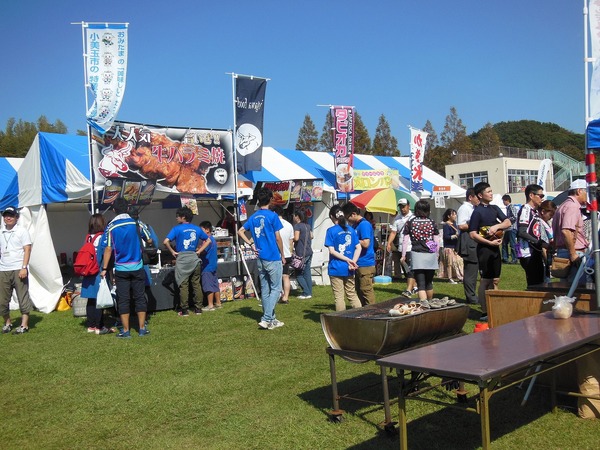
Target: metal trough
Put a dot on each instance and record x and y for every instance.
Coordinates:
(370, 330)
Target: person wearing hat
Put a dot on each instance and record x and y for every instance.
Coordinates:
(15, 250)
(567, 226)
(397, 228)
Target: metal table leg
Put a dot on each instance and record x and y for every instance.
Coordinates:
(484, 413)
(402, 412)
(386, 397)
(336, 413)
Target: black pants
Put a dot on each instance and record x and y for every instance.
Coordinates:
(534, 268)
(471, 270)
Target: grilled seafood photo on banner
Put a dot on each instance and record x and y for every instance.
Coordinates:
(183, 164)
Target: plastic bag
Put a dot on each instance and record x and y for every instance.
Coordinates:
(105, 298)
(563, 306)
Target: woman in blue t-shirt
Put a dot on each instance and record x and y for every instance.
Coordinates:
(344, 250)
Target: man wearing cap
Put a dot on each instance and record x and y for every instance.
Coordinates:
(396, 229)
(567, 225)
(15, 248)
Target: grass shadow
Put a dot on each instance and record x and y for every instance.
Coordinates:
(247, 311)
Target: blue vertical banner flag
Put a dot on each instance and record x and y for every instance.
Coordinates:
(106, 71)
(249, 116)
(418, 139)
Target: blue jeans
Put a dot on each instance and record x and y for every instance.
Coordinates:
(270, 274)
(304, 278)
(510, 239)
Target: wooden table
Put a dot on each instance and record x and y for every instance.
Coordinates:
(489, 357)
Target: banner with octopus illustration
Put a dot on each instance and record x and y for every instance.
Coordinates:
(177, 160)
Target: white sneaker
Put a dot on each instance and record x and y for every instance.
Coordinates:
(452, 281)
(304, 297)
(275, 324)
(264, 325)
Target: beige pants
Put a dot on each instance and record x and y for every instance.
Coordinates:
(364, 284)
(344, 286)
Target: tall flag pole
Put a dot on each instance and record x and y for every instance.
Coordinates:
(418, 140)
(105, 72)
(592, 114)
(342, 118)
(249, 102)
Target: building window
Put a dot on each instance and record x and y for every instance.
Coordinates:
(467, 180)
(518, 179)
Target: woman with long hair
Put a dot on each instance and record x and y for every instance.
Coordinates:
(344, 250)
(303, 236)
(450, 261)
(423, 235)
(91, 283)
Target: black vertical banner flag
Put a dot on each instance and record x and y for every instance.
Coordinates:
(249, 112)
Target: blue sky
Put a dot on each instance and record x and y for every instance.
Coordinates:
(408, 59)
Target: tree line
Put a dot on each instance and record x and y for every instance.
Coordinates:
(453, 139)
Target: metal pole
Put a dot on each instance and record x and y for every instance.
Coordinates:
(590, 159)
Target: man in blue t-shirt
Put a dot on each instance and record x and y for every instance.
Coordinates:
(210, 282)
(485, 227)
(123, 239)
(190, 242)
(264, 226)
(366, 262)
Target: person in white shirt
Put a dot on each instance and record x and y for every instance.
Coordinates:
(467, 247)
(15, 251)
(397, 228)
(287, 237)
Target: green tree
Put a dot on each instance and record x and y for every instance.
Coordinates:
(308, 137)
(488, 141)
(326, 139)
(362, 141)
(453, 139)
(432, 138)
(17, 137)
(384, 143)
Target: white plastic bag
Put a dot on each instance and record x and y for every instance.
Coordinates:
(104, 299)
(563, 306)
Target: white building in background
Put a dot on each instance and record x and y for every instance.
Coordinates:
(513, 169)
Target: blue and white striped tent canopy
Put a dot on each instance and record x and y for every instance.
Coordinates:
(280, 164)
(8, 171)
(56, 169)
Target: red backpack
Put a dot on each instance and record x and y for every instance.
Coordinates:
(86, 263)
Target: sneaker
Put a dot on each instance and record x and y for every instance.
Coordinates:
(415, 290)
(264, 325)
(275, 324)
(7, 328)
(211, 308)
(304, 297)
(218, 306)
(124, 335)
(144, 332)
(198, 311)
(102, 330)
(92, 330)
(21, 330)
(452, 281)
(183, 313)
(406, 294)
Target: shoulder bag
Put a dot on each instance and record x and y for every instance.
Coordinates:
(149, 253)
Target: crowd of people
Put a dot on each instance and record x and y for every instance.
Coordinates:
(471, 243)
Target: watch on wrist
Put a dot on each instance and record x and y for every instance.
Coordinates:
(24, 267)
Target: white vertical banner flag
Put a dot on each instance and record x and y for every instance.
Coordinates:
(418, 138)
(106, 71)
(594, 18)
(545, 166)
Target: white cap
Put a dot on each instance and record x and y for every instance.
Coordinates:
(402, 202)
(578, 184)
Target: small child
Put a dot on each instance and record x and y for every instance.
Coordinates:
(547, 210)
(210, 282)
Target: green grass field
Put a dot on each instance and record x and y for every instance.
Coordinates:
(216, 381)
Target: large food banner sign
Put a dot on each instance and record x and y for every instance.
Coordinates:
(343, 146)
(182, 160)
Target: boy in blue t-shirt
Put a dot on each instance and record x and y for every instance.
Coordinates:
(210, 282)
(264, 226)
(187, 237)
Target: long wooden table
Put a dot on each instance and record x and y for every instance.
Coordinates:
(489, 357)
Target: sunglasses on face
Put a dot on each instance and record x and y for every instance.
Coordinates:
(540, 195)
